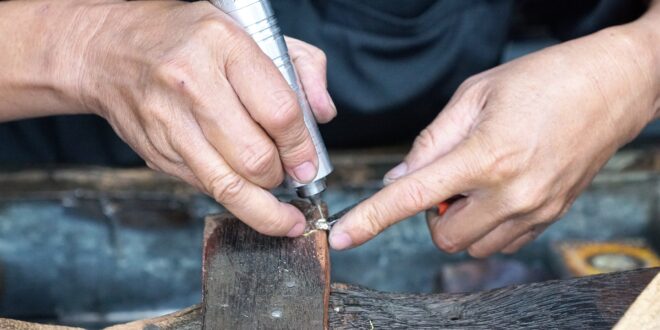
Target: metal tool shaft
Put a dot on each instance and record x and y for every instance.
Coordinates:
(258, 19)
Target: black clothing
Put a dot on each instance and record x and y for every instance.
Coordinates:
(392, 65)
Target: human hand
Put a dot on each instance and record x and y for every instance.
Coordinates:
(520, 142)
(196, 98)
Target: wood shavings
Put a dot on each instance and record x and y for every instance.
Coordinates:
(310, 232)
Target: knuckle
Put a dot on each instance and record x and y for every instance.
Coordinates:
(500, 166)
(259, 159)
(447, 244)
(164, 141)
(510, 249)
(295, 146)
(152, 166)
(535, 232)
(473, 86)
(415, 196)
(470, 82)
(216, 24)
(286, 110)
(523, 200)
(226, 187)
(426, 139)
(154, 119)
(320, 56)
(552, 211)
(564, 209)
(306, 50)
(478, 252)
(270, 226)
(176, 74)
(373, 218)
(236, 46)
(242, 47)
(153, 158)
(522, 204)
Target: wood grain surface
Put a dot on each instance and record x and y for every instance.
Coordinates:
(594, 302)
(252, 281)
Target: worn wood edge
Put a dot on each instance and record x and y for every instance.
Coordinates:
(211, 223)
(644, 313)
(186, 319)
(9, 324)
(323, 252)
(323, 257)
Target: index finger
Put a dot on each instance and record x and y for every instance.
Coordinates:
(253, 205)
(274, 105)
(450, 175)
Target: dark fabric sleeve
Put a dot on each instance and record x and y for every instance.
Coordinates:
(569, 19)
(392, 66)
(390, 71)
(79, 139)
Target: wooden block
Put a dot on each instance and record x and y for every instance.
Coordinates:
(580, 303)
(593, 302)
(253, 281)
(9, 324)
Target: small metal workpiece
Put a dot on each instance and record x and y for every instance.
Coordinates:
(327, 223)
(321, 224)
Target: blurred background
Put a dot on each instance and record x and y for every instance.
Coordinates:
(91, 246)
(97, 246)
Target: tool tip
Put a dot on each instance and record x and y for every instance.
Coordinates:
(316, 199)
(321, 223)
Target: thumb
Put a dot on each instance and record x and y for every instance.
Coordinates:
(446, 131)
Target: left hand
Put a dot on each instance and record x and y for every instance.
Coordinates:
(520, 142)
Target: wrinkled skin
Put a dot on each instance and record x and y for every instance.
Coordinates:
(182, 84)
(520, 142)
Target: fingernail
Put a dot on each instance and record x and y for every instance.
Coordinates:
(305, 172)
(339, 240)
(395, 173)
(297, 230)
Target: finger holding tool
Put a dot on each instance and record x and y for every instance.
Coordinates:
(258, 19)
(327, 223)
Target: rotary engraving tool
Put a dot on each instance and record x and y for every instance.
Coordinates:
(258, 20)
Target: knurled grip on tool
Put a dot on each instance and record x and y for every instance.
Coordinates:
(258, 20)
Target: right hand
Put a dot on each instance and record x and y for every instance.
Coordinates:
(192, 93)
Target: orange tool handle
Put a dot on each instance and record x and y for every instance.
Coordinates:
(444, 206)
